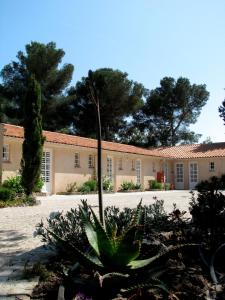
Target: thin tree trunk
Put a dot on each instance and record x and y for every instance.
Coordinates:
(100, 198)
(95, 100)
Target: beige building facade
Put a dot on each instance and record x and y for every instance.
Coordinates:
(68, 159)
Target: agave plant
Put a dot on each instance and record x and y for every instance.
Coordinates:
(110, 252)
(114, 256)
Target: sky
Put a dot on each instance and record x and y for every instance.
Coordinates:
(148, 39)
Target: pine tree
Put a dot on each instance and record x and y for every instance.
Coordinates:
(33, 138)
(44, 61)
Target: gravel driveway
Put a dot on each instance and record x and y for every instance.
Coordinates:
(17, 224)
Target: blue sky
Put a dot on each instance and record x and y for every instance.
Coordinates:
(149, 39)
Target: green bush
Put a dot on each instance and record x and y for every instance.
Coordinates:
(66, 225)
(125, 186)
(107, 185)
(19, 201)
(39, 185)
(137, 186)
(92, 184)
(167, 186)
(71, 187)
(6, 194)
(14, 183)
(120, 257)
(88, 186)
(207, 209)
(30, 200)
(154, 185)
(129, 185)
(84, 189)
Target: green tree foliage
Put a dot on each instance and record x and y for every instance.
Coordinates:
(222, 111)
(207, 140)
(5, 107)
(119, 98)
(33, 139)
(208, 211)
(43, 61)
(169, 110)
(132, 135)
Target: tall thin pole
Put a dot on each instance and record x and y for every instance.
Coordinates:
(95, 100)
(100, 196)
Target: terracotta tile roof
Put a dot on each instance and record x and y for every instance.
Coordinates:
(177, 152)
(60, 138)
(193, 151)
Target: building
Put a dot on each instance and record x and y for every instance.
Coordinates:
(68, 159)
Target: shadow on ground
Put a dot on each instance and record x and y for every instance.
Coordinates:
(13, 257)
(10, 238)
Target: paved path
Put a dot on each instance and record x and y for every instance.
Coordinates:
(17, 224)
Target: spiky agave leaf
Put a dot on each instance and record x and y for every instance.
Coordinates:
(128, 248)
(111, 276)
(136, 218)
(84, 259)
(128, 245)
(151, 285)
(90, 231)
(105, 245)
(111, 229)
(115, 275)
(142, 263)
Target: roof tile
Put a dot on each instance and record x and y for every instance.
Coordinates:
(175, 152)
(66, 139)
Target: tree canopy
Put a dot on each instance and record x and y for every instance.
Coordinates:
(129, 112)
(169, 111)
(119, 98)
(41, 60)
(222, 111)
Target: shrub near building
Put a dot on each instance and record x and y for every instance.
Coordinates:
(130, 186)
(12, 192)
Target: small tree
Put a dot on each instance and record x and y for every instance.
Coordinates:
(33, 138)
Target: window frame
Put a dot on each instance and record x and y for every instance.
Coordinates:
(120, 164)
(91, 161)
(110, 168)
(133, 165)
(138, 171)
(77, 160)
(5, 154)
(212, 163)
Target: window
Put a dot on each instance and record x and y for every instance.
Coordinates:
(109, 168)
(166, 172)
(180, 172)
(211, 166)
(46, 166)
(133, 165)
(138, 171)
(91, 161)
(120, 164)
(77, 160)
(5, 153)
